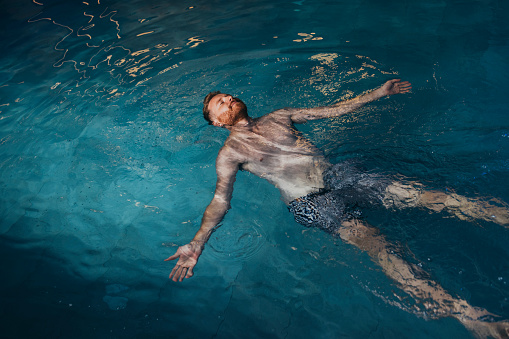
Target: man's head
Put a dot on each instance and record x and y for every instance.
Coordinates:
(221, 109)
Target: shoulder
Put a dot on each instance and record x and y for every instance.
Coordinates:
(229, 153)
(228, 162)
(286, 114)
(280, 113)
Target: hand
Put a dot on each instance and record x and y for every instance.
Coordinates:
(395, 86)
(188, 257)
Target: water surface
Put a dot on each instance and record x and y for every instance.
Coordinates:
(106, 164)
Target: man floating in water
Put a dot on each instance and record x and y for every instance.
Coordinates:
(328, 196)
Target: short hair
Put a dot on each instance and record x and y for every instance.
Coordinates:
(206, 101)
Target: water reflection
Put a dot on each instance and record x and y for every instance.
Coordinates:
(93, 43)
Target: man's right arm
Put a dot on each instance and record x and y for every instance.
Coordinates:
(226, 169)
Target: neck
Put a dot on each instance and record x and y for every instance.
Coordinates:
(245, 121)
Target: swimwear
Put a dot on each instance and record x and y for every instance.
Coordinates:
(347, 190)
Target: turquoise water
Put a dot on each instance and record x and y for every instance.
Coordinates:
(106, 164)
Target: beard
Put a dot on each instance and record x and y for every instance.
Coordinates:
(235, 114)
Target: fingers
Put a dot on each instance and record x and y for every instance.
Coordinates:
(405, 87)
(183, 273)
(189, 272)
(401, 84)
(180, 272)
(401, 87)
(173, 257)
(173, 274)
(177, 274)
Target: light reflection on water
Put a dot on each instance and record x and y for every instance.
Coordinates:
(105, 158)
(98, 53)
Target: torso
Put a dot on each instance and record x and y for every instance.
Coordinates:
(272, 148)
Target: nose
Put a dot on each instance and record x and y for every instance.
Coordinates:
(229, 100)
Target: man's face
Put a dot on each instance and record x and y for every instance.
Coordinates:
(226, 110)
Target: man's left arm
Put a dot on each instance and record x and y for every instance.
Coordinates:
(391, 87)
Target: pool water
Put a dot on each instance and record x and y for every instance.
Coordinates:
(106, 164)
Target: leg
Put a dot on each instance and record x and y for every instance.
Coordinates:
(408, 195)
(414, 281)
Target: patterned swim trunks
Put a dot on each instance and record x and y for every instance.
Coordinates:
(347, 190)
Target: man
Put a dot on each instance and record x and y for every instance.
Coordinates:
(322, 195)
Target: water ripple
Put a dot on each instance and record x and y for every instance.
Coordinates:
(240, 242)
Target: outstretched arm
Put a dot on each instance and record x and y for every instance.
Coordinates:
(188, 255)
(391, 87)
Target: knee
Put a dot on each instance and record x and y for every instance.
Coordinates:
(401, 195)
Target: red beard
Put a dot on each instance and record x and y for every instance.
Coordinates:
(235, 114)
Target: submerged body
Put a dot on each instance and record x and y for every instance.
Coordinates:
(320, 195)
